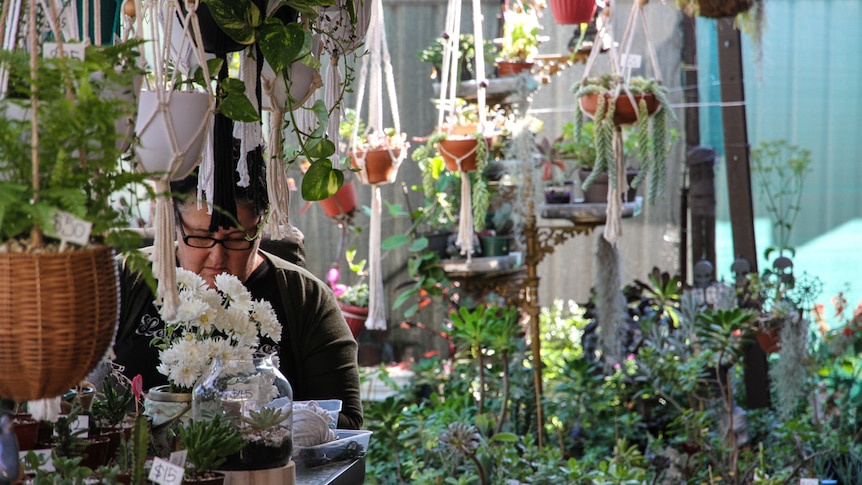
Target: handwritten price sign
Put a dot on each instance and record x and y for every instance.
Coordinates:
(52, 49)
(165, 473)
(67, 227)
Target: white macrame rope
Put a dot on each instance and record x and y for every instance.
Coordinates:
(376, 298)
(249, 134)
(465, 221)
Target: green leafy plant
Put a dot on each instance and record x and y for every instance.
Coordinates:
(466, 50)
(78, 147)
(208, 444)
(282, 44)
(111, 404)
(520, 40)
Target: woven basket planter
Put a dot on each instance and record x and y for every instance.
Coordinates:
(58, 320)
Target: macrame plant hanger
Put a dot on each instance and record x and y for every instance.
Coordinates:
(616, 170)
(376, 62)
(165, 78)
(447, 106)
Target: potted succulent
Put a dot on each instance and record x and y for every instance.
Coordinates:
(65, 124)
(558, 190)
(520, 41)
(376, 155)
(497, 237)
(612, 103)
(208, 443)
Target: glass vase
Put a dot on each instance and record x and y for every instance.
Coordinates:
(256, 397)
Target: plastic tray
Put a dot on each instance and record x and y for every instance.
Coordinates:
(350, 445)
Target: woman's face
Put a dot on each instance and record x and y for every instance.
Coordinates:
(193, 230)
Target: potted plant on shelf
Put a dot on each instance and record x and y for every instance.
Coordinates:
(558, 190)
(612, 103)
(375, 155)
(208, 443)
(496, 239)
(520, 41)
(65, 125)
(352, 299)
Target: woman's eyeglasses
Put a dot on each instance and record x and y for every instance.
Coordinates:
(205, 242)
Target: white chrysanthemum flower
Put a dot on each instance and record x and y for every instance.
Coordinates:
(189, 309)
(234, 292)
(265, 317)
(190, 281)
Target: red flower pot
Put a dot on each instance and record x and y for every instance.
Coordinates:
(355, 317)
(567, 12)
(769, 341)
(625, 113)
(506, 68)
(343, 202)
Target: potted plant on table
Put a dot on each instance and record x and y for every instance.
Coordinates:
(208, 443)
(65, 125)
(352, 299)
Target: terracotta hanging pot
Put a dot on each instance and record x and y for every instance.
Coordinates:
(507, 68)
(715, 9)
(343, 202)
(769, 341)
(187, 111)
(568, 12)
(461, 148)
(380, 166)
(625, 113)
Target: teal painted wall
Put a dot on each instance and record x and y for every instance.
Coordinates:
(802, 90)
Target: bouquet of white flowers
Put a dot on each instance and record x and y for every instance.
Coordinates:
(224, 323)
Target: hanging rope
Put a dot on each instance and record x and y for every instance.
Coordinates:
(165, 79)
(618, 183)
(376, 64)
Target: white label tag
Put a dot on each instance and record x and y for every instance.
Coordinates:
(69, 21)
(809, 481)
(178, 458)
(165, 473)
(43, 454)
(82, 423)
(52, 49)
(632, 61)
(69, 228)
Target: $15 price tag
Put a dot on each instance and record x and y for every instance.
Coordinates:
(165, 473)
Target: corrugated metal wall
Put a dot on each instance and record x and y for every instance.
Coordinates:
(649, 239)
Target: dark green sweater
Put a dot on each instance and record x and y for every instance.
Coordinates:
(317, 351)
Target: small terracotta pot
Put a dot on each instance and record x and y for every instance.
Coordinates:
(568, 12)
(379, 165)
(355, 317)
(96, 452)
(625, 113)
(769, 341)
(27, 431)
(461, 148)
(343, 202)
(507, 68)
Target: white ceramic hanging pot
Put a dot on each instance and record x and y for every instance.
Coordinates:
(335, 20)
(189, 113)
(302, 84)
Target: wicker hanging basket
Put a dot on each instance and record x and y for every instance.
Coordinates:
(58, 320)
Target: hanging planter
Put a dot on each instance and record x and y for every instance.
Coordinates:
(568, 12)
(512, 68)
(377, 166)
(342, 203)
(463, 149)
(171, 115)
(68, 299)
(625, 113)
(716, 9)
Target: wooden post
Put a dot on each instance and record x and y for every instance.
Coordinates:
(736, 151)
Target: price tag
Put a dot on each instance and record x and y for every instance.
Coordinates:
(631, 61)
(82, 423)
(52, 49)
(165, 473)
(67, 227)
(178, 458)
(43, 455)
